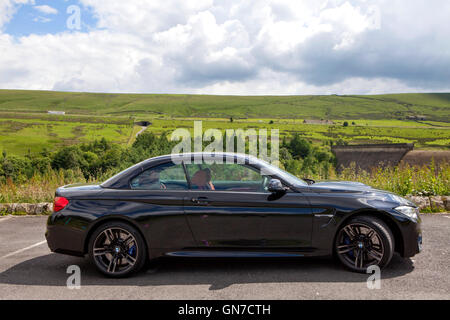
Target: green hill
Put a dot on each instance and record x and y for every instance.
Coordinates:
(435, 106)
(25, 125)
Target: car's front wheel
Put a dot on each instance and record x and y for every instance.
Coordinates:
(117, 249)
(364, 241)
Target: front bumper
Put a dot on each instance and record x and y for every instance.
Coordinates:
(412, 238)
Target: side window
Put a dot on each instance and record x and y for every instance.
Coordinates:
(225, 177)
(167, 176)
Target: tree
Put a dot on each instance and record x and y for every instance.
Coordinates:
(322, 156)
(16, 168)
(345, 124)
(294, 167)
(299, 147)
(69, 158)
(285, 155)
(146, 140)
(310, 166)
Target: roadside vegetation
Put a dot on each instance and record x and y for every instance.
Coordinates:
(96, 137)
(34, 178)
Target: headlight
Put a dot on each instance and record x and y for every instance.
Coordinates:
(411, 212)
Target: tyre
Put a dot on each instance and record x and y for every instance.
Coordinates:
(364, 241)
(117, 249)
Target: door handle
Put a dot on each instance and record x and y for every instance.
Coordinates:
(200, 201)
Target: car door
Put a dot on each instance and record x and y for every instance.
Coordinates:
(156, 196)
(237, 211)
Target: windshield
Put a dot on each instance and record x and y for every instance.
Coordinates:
(268, 169)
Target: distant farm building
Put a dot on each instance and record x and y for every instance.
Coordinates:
(321, 121)
(369, 156)
(420, 118)
(61, 113)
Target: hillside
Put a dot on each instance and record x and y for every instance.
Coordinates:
(435, 106)
(25, 125)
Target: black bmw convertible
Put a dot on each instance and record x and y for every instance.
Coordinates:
(234, 206)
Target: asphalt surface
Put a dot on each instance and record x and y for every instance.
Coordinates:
(28, 270)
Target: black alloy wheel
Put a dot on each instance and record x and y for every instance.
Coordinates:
(364, 241)
(117, 249)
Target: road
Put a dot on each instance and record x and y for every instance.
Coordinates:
(28, 270)
(141, 131)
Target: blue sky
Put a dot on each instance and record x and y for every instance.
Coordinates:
(28, 19)
(275, 47)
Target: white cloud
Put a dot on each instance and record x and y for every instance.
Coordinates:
(8, 8)
(46, 9)
(143, 15)
(238, 47)
(41, 19)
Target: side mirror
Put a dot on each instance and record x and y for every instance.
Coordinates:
(275, 186)
(309, 181)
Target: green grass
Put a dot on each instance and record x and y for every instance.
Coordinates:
(25, 125)
(422, 181)
(436, 106)
(20, 136)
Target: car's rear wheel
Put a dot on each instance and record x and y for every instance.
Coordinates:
(117, 249)
(364, 241)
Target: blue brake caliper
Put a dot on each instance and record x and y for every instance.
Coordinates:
(132, 251)
(347, 241)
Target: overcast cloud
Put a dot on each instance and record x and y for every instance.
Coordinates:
(237, 47)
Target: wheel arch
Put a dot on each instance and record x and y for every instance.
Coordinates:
(107, 219)
(383, 216)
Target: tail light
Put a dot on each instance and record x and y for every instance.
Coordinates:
(59, 203)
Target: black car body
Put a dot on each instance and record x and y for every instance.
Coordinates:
(236, 219)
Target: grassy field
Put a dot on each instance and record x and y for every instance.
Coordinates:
(25, 125)
(20, 134)
(433, 105)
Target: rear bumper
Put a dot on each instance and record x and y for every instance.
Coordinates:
(62, 238)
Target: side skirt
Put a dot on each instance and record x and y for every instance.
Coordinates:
(238, 254)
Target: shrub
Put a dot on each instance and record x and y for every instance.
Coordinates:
(299, 147)
(35, 178)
